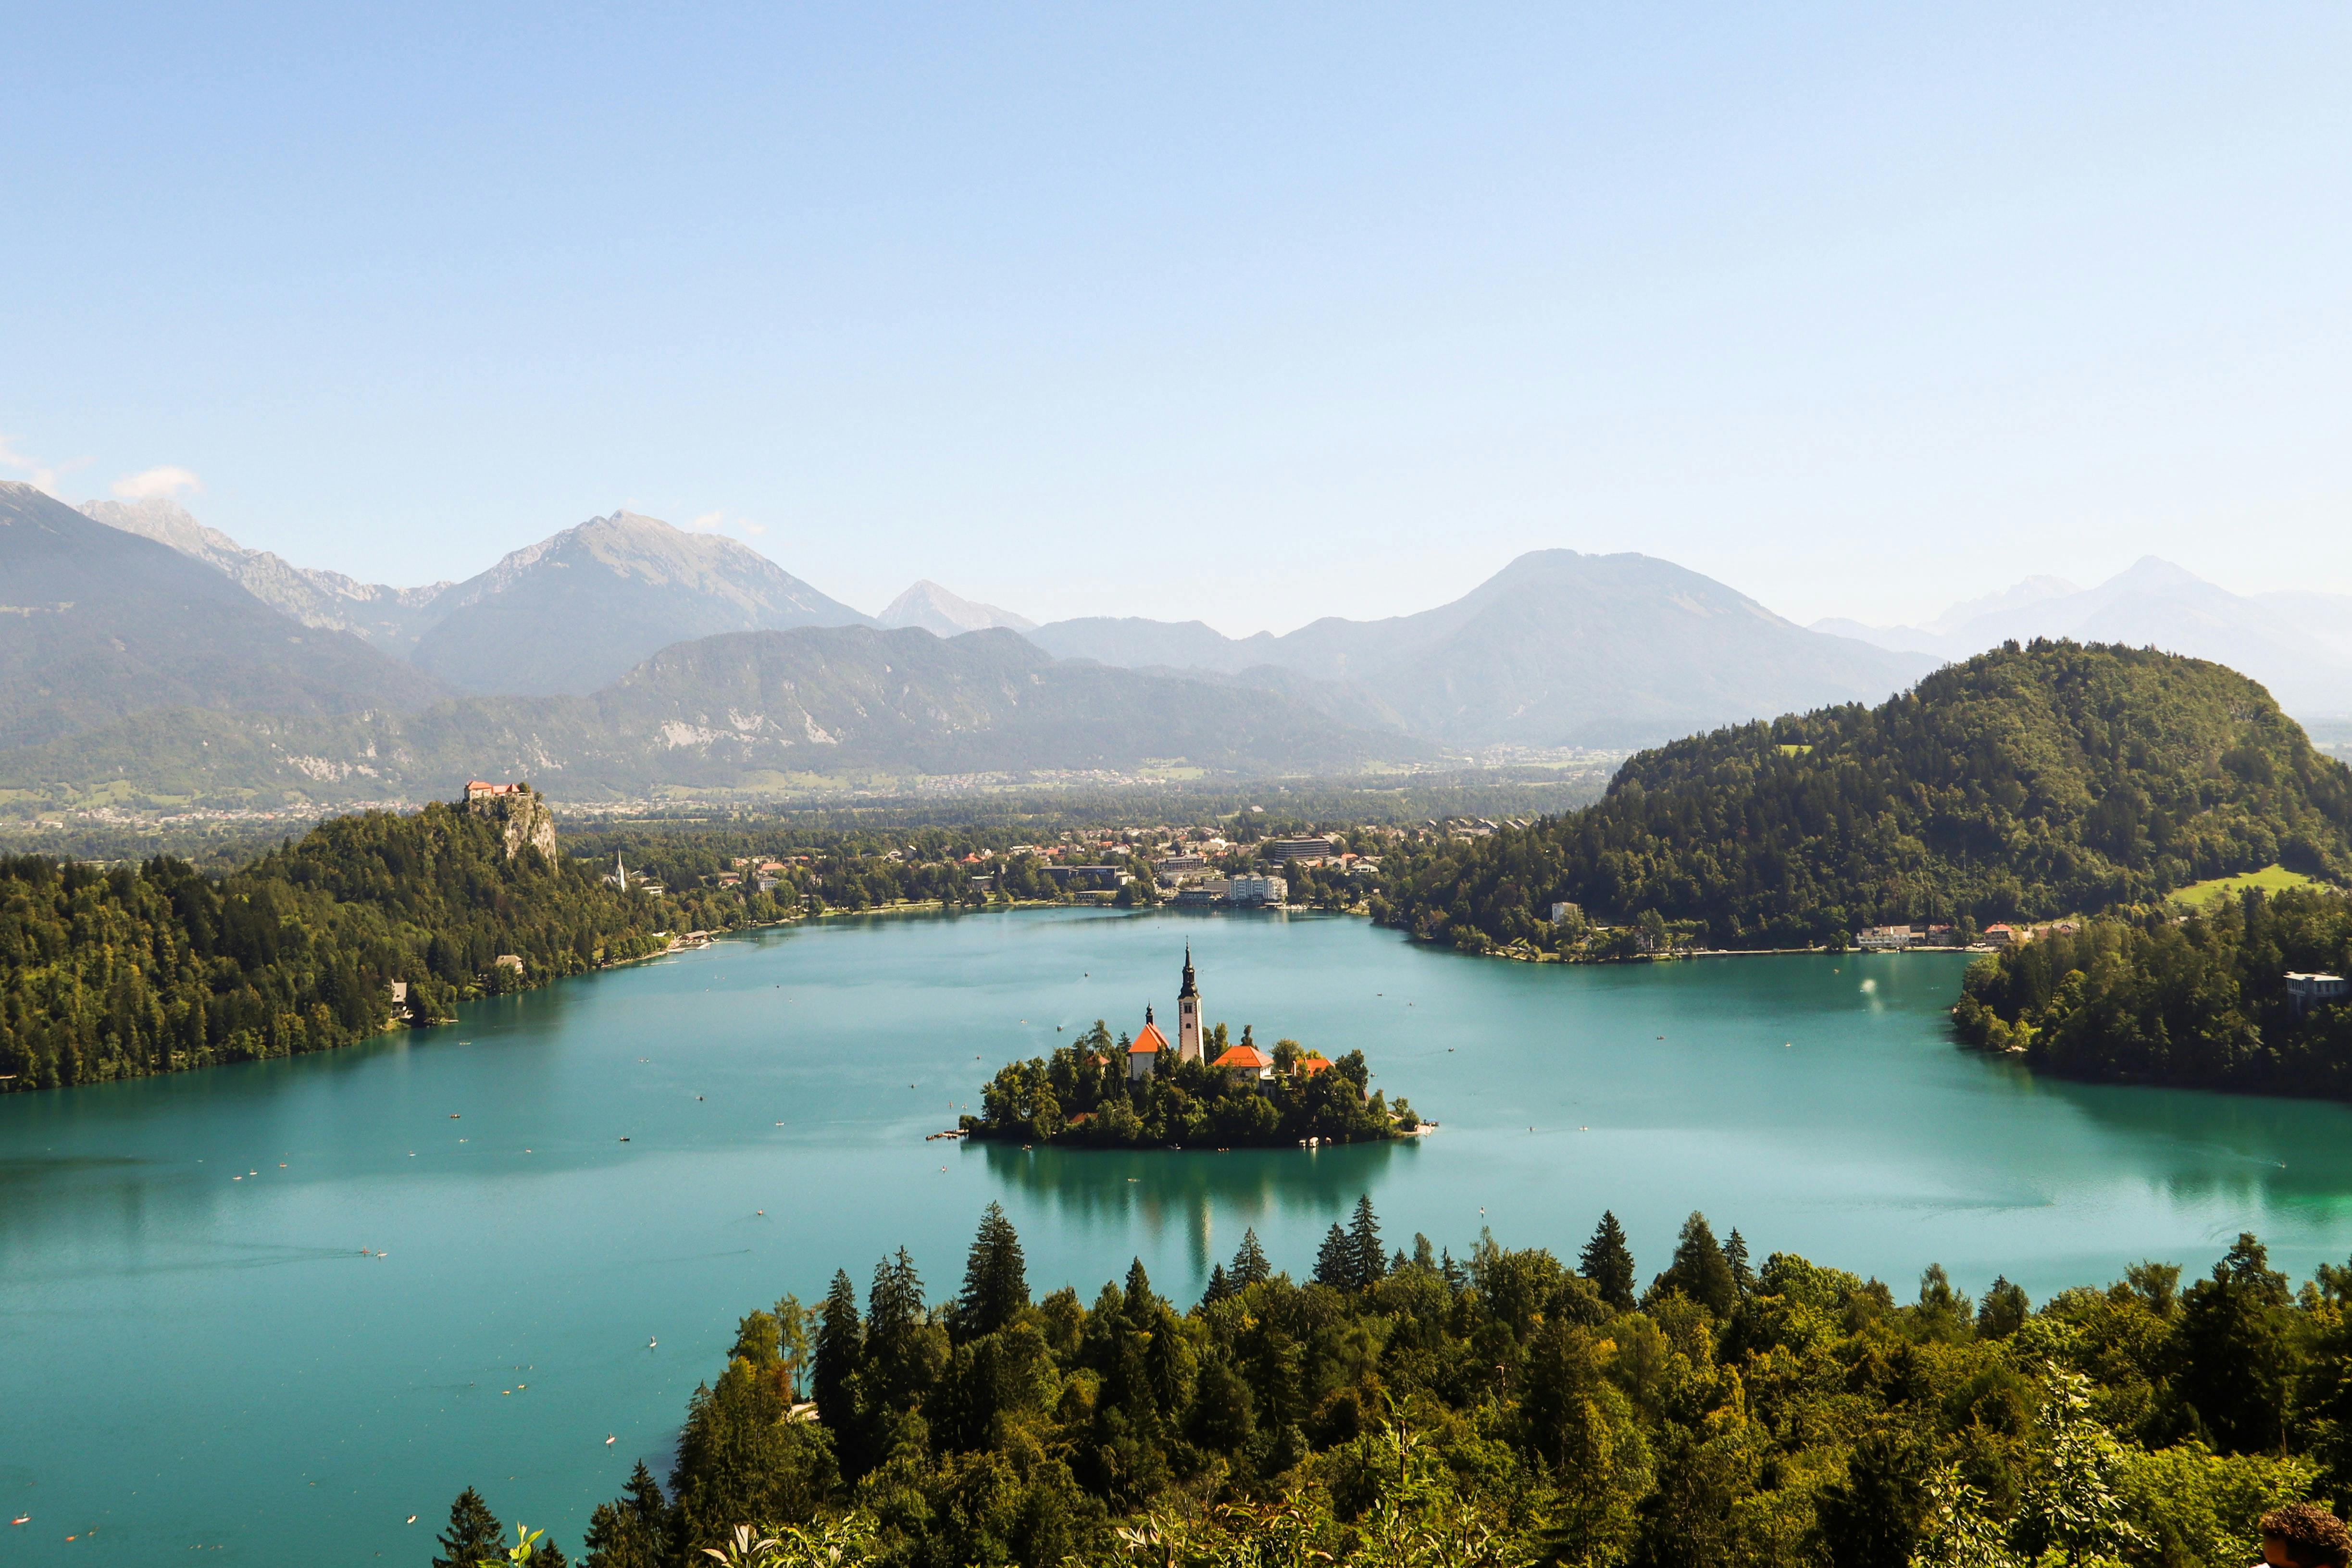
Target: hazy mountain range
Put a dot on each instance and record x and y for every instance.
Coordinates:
(2297, 643)
(143, 652)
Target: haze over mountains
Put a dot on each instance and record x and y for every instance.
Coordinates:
(2297, 643)
(624, 657)
(1556, 649)
(97, 624)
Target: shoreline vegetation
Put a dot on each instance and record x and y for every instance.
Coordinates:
(367, 922)
(1084, 1096)
(2197, 1000)
(1400, 1408)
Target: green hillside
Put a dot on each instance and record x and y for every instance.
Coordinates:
(2025, 783)
(157, 968)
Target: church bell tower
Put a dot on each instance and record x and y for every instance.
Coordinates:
(1188, 1013)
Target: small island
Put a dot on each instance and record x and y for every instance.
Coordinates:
(1202, 1091)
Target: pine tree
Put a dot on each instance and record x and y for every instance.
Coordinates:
(1608, 1262)
(1250, 1265)
(1220, 1287)
(633, 1531)
(1700, 1269)
(840, 1350)
(1142, 1306)
(474, 1536)
(995, 1277)
(547, 1555)
(1734, 1253)
(1335, 1265)
(1370, 1262)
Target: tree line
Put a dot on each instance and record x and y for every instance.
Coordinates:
(1401, 1405)
(1082, 1095)
(110, 972)
(2200, 1000)
(2024, 783)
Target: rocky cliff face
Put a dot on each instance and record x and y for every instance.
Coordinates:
(523, 818)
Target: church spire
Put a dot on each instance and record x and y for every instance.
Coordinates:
(1188, 988)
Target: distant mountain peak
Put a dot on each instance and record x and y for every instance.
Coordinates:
(580, 608)
(935, 609)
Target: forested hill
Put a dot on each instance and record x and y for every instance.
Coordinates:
(2024, 783)
(116, 972)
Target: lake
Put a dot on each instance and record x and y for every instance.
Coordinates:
(200, 1349)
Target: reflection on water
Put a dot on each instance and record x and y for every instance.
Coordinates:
(342, 1268)
(1208, 1198)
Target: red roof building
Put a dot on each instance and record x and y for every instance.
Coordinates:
(1247, 1063)
(1145, 1051)
(1307, 1067)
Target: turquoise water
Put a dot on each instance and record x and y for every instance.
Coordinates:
(196, 1353)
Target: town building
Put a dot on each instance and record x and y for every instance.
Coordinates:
(1257, 892)
(1288, 849)
(1203, 893)
(2304, 992)
(1887, 937)
(1564, 910)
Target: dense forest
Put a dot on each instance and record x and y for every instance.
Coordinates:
(1082, 1096)
(113, 972)
(2026, 782)
(2151, 996)
(1403, 1406)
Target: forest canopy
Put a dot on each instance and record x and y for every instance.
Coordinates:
(157, 967)
(2023, 784)
(1400, 1406)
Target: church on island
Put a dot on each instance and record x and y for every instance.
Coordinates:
(1245, 1064)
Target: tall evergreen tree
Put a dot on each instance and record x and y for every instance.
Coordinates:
(1220, 1287)
(634, 1530)
(1141, 1305)
(995, 1277)
(899, 1362)
(1372, 1263)
(1700, 1269)
(1250, 1265)
(2235, 1337)
(474, 1536)
(1335, 1263)
(1608, 1262)
(840, 1350)
(1735, 1254)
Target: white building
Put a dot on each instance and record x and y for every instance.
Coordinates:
(2304, 992)
(1258, 891)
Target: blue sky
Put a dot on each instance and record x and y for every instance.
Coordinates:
(1247, 314)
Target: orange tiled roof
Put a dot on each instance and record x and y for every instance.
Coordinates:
(1243, 1056)
(1312, 1063)
(1151, 1041)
